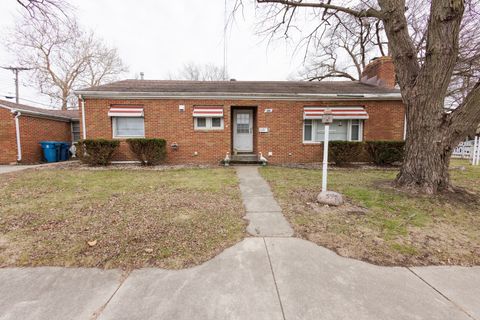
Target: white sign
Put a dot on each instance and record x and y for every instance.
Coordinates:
(263, 130)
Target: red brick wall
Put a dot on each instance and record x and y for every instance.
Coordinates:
(33, 130)
(285, 123)
(8, 144)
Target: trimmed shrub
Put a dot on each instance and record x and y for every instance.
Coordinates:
(385, 152)
(97, 152)
(149, 152)
(342, 152)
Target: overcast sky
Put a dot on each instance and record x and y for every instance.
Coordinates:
(159, 36)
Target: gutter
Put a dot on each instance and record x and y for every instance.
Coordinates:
(17, 133)
(84, 127)
(239, 96)
(39, 114)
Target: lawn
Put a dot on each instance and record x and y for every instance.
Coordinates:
(118, 218)
(380, 224)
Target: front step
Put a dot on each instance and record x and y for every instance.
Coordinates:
(244, 158)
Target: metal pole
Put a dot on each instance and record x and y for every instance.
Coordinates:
(15, 70)
(325, 158)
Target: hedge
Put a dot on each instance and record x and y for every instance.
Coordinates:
(149, 152)
(385, 152)
(342, 152)
(97, 151)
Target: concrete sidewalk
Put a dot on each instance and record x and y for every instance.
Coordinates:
(14, 168)
(259, 278)
(263, 212)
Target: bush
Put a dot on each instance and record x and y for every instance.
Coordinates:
(385, 152)
(341, 152)
(148, 151)
(97, 152)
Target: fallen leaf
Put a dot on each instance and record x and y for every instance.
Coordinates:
(149, 250)
(92, 243)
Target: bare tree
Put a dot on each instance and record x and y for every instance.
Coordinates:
(63, 57)
(344, 49)
(425, 62)
(44, 8)
(207, 72)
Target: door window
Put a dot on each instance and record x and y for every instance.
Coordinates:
(243, 123)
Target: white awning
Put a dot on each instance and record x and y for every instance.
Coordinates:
(125, 111)
(338, 112)
(205, 111)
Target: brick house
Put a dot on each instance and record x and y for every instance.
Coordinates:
(23, 127)
(203, 120)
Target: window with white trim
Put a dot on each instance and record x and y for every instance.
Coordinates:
(340, 130)
(75, 131)
(128, 127)
(208, 123)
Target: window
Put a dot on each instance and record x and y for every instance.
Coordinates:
(355, 130)
(201, 122)
(307, 130)
(340, 130)
(128, 127)
(208, 123)
(75, 131)
(216, 122)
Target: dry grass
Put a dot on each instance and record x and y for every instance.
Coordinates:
(380, 224)
(142, 218)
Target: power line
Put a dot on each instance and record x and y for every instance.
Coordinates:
(8, 96)
(16, 70)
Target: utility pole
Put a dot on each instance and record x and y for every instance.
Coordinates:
(16, 70)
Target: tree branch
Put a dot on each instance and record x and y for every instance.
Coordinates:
(370, 12)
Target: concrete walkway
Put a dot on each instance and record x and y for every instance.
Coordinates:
(263, 212)
(13, 168)
(269, 276)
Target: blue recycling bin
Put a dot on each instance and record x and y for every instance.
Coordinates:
(50, 150)
(64, 153)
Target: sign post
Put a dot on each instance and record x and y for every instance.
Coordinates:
(327, 119)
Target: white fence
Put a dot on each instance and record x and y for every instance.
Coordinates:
(468, 150)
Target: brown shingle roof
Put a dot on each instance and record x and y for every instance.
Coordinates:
(69, 114)
(241, 87)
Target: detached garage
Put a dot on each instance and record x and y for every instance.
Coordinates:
(23, 127)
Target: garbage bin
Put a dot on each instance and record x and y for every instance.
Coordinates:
(50, 151)
(58, 147)
(64, 153)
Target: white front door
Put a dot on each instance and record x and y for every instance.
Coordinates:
(243, 130)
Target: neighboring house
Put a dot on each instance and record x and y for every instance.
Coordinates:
(202, 121)
(23, 127)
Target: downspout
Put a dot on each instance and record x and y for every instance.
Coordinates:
(84, 127)
(17, 132)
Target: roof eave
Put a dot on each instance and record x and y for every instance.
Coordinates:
(39, 114)
(239, 96)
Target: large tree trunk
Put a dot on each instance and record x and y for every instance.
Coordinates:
(427, 153)
(429, 140)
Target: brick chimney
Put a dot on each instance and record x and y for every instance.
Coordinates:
(380, 71)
